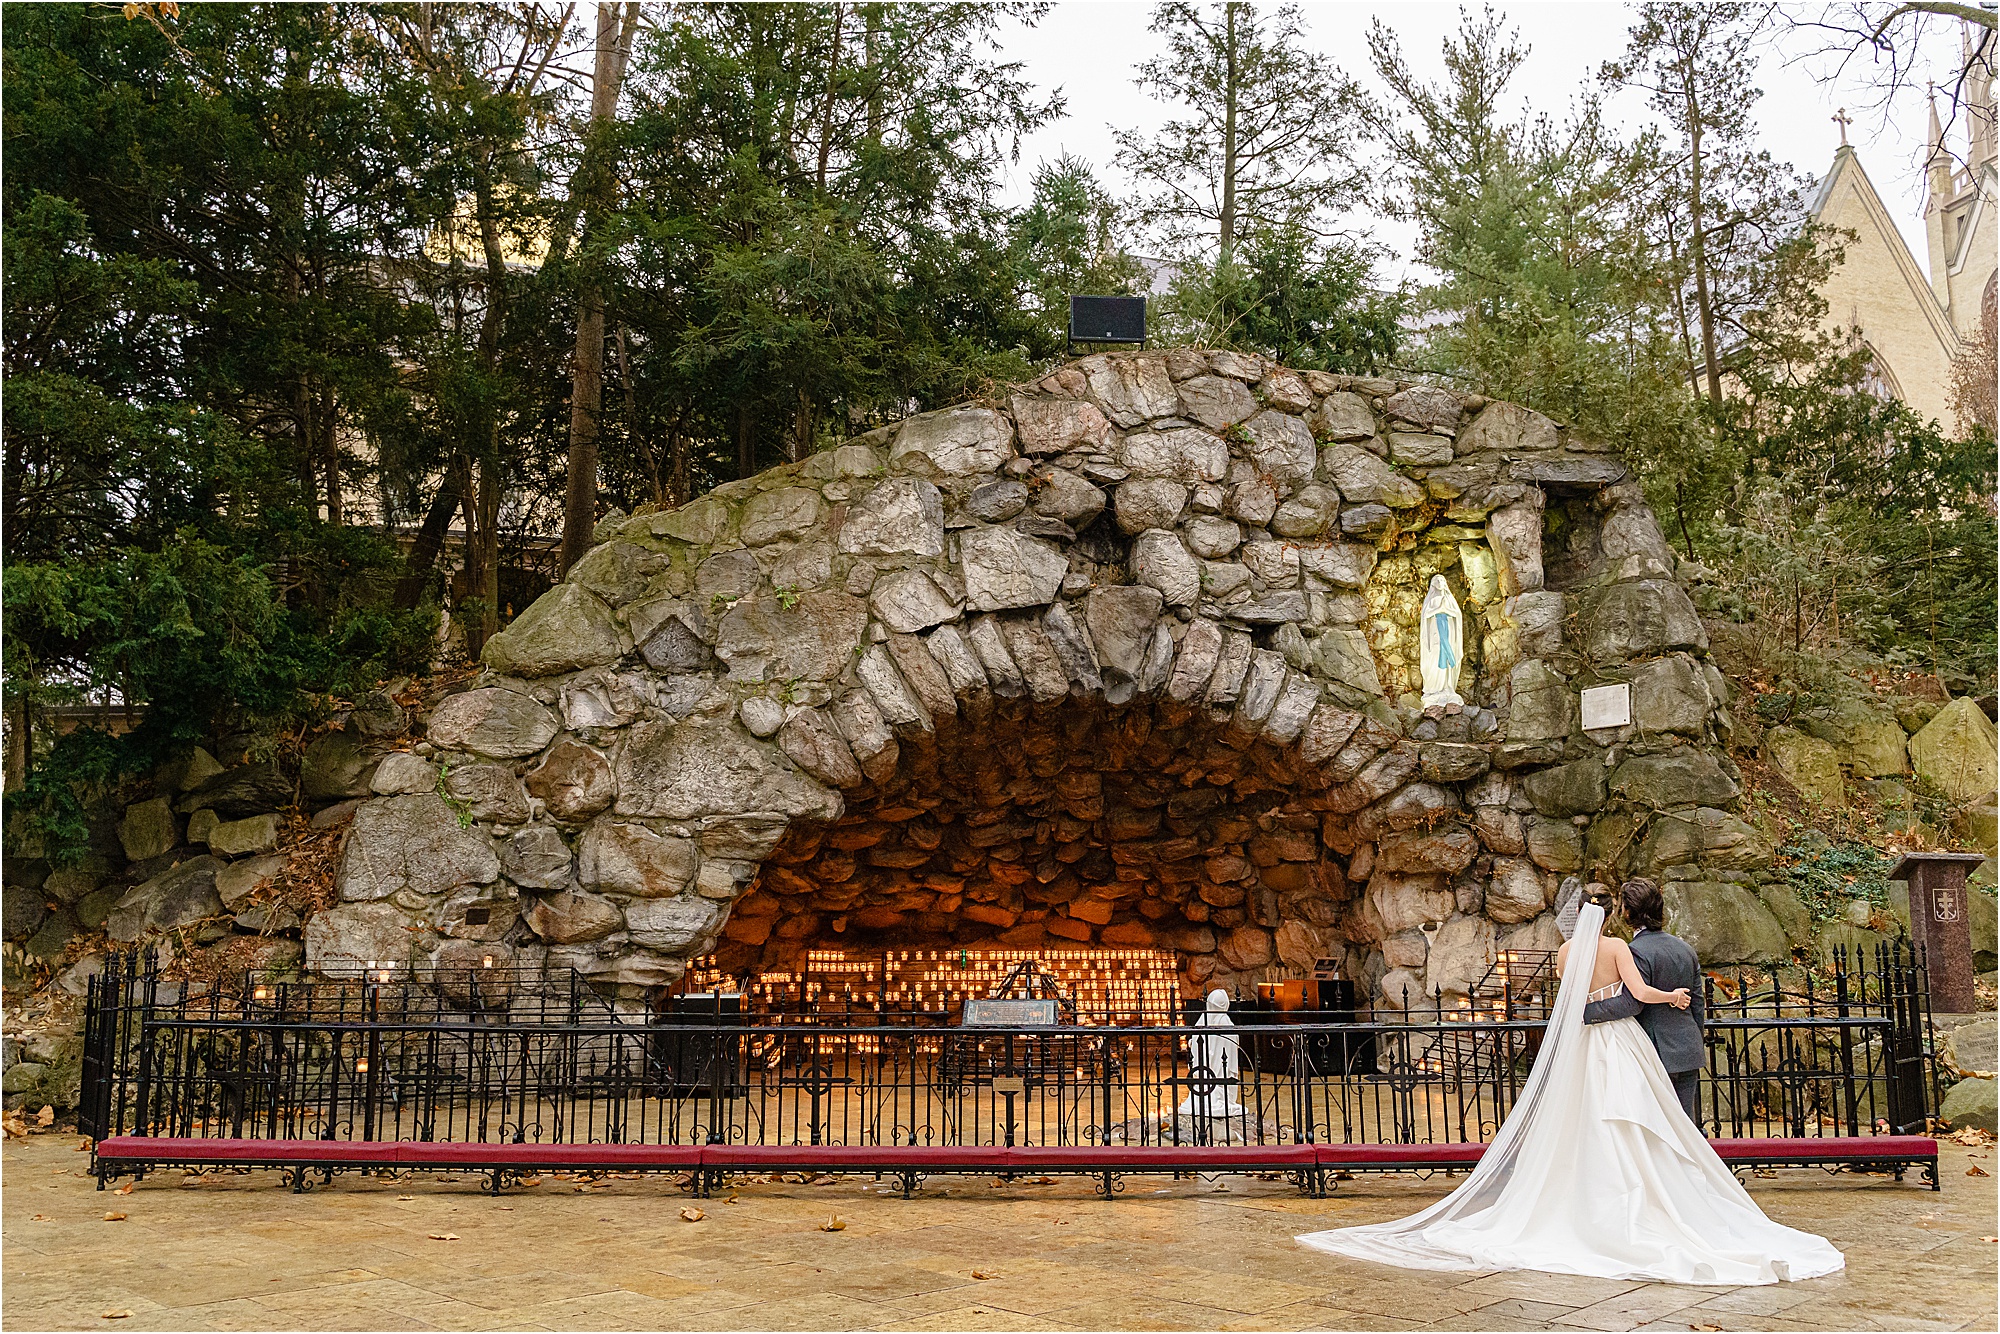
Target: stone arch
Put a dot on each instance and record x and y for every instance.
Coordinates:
(1124, 656)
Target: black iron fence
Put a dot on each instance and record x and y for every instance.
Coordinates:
(495, 1057)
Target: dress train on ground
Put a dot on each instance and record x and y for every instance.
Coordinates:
(1597, 1171)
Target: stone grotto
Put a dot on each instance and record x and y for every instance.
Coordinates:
(1124, 658)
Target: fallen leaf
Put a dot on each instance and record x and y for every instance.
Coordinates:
(85, 1146)
(834, 1224)
(44, 1218)
(692, 1214)
(1704, 1327)
(115, 1315)
(47, 1116)
(981, 1273)
(406, 1197)
(1976, 1171)
(444, 1236)
(115, 1218)
(1988, 1239)
(730, 1200)
(125, 1189)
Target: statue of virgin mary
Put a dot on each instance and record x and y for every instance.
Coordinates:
(1442, 645)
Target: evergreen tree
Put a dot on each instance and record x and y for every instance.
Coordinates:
(1267, 138)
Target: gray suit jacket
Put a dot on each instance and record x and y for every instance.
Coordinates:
(1668, 962)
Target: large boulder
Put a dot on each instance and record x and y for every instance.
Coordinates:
(680, 924)
(236, 882)
(631, 859)
(1872, 745)
(246, 789)
(412, 843)
(901, 516)
(1576, 788)
(1808, 763)
(1956, 751)
(148, 829)
(617, 572)
(570, 919)
(565, 630)
(1970, 1050)
(1707, 835)
(1671, 695)
(1005, 569)
(1724, 923)
(1056, 425)
(344, 941)
(493, 721)
(486, 792)
(1681, 777)
(1364, 478)
(22, 913)
(400, 773)
(1641, 619)
(573, 781)
(701, 767)
(910, 600)
(782, 637)
(179, 896)
(242, 838)
(788, 511)
(1971, 1104)
(338, 765)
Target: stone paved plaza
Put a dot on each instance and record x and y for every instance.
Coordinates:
(240, 1252)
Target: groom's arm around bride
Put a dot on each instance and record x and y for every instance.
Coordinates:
(1668, 962)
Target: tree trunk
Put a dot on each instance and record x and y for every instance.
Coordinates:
(329, 438)
(746, 442)
(20, 742)
(826, 113)
(871, 50)
(1698, 251)
(614, 43)
(430, 540)
(680, 480)
(1228, 238)
(489, 549)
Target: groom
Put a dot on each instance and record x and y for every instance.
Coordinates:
(1667, 962)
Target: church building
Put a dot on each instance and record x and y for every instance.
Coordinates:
(1916, 323)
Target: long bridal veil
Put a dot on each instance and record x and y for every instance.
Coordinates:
(1596, 1170)
(1403, 1242)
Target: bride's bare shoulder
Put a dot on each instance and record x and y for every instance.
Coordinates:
(1613, 946)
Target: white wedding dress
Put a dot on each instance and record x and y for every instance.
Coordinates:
(1597, 1171)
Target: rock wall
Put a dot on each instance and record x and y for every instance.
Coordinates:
(1124, 658)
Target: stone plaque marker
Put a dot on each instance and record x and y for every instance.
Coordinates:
(1607, 706)
(989, 1013)
(1939, 923)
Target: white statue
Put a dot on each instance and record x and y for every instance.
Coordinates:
(1443, 645)
(1214, 1057)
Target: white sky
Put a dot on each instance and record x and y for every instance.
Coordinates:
(1089, 48)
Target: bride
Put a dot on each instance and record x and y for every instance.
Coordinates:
(1597, 1170)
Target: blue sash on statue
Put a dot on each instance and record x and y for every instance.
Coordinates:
(1446, 658)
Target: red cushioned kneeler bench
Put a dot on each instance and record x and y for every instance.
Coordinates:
(130, 1154)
